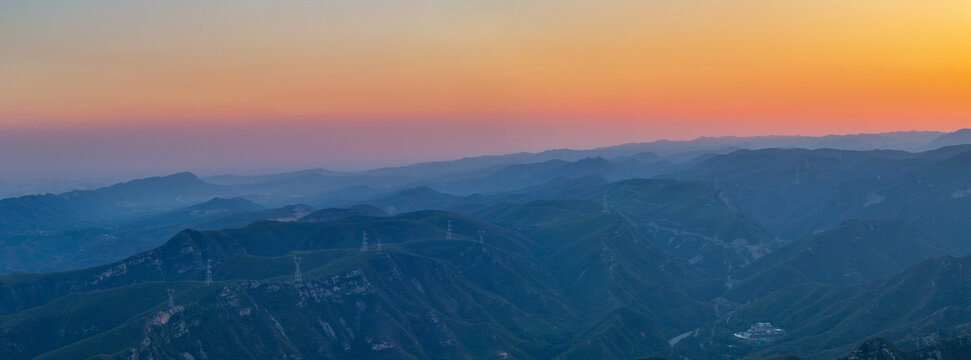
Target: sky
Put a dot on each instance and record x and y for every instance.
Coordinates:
(153, 86)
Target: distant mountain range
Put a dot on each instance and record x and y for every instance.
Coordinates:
(792, 192)
(673, 151)
(663, 249)
(642, 159)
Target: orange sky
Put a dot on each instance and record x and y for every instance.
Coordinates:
(657, 68)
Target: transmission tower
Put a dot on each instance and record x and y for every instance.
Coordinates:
(606, 209)
(481, 236)
(171, 297)
(448, 231)
(364, 242)
(208, 272)
(297, 275)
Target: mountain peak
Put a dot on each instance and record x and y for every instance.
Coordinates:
(234, 203)
(178, 179)
(182, 175)
(959, 137)
(593, 160)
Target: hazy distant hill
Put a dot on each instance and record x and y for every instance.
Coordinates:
(322, 188)
(91, 207)
(78, 228)
(412, 199)
(89, 246)
(908, 140)
(337, 213)
(471, 175)
(959, 137)
(514, 177)
(438, 172)
(268, 178)
(797, 192)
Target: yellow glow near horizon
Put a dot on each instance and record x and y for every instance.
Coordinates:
(817, 64)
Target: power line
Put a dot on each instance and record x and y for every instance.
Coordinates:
(297, 275)
(797, 174)
(208, 272)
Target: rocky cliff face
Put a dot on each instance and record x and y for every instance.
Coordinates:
(882, 349)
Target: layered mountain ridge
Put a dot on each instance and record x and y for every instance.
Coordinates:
(657, 250)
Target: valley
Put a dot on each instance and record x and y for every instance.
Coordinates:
(618, 258)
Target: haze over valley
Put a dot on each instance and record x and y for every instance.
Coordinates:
(664, 249)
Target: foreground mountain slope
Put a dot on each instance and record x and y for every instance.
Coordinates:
(435, 286)
(929, 300)
(690, 220)
(855, 251)
(579, 285)
(184, 256)
(882, 349)
(356, 309)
